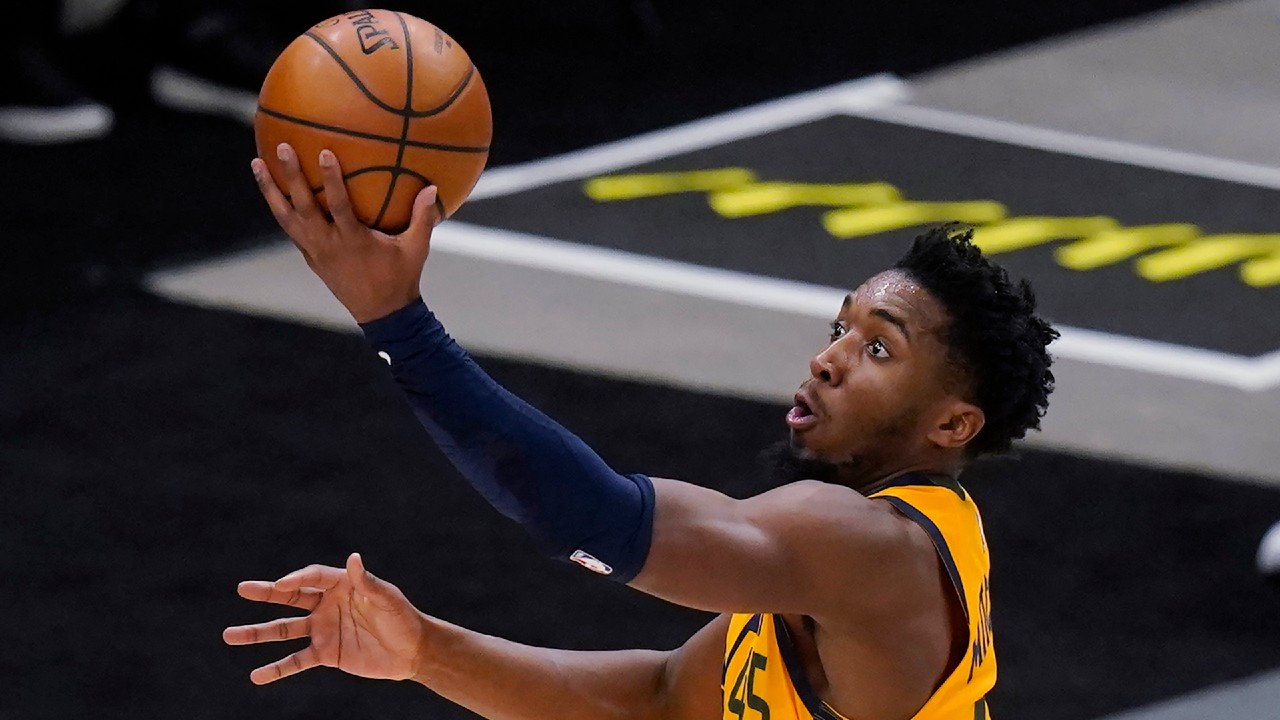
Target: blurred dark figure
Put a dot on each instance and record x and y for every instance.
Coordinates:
(39, 103)
(206, 58)
(212, 58)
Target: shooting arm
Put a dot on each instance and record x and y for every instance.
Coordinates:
(525, 464)
(795, 549)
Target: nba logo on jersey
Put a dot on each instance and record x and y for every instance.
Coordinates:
(589, 562)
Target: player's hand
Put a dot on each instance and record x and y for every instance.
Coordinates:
(357, 623)
(370, 272)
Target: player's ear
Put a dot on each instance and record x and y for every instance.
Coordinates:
(959, 423)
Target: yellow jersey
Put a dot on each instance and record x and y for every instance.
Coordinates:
(763, 678)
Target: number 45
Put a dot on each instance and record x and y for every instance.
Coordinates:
(746, 677)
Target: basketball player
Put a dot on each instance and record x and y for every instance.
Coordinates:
(859, 590)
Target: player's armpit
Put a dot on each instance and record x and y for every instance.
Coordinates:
(691, 681)
(809, 548)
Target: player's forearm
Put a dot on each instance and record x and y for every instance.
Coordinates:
(525, 464)
(504, 680)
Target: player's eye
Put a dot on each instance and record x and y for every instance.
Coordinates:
(837, 330)
(878, 349)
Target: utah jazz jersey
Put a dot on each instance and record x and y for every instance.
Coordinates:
(763, 678)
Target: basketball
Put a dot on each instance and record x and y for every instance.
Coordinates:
(395, 98)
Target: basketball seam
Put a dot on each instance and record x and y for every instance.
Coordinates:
(449, 101)
(389, 168)
(364, 89)
(403, 171)
(404, 127)
(371, 136)
(352, 75)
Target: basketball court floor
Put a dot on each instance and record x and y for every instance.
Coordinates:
(662, 295)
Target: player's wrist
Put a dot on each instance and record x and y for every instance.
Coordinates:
(395, 324)
(373, 312)
(431, 638)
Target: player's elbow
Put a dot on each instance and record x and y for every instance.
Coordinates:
(666, 702)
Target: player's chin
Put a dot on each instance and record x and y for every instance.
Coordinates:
(807, 445)
(797, 440)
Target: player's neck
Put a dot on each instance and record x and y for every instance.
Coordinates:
(869, 481)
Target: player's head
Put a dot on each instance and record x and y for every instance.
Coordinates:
(936, 361)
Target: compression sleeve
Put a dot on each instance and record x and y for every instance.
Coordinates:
(525, 464)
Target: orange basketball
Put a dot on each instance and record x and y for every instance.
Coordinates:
(396, 99)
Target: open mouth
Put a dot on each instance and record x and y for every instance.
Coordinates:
(801, 416)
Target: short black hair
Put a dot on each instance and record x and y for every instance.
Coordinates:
(994, 338)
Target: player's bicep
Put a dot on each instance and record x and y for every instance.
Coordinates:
(796, 549)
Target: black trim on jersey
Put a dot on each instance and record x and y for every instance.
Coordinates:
(939, 542)
(949, 483)
(918, 479)
(752, 625)
(795, 669)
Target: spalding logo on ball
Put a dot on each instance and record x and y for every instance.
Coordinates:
(394, 97)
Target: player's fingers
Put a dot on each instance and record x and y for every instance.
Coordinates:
(263, 591)
(276, 201)
(304, 659)
(335, 192)
(321, 577)
(382, 593)
(426, 215)
(280, 206)
(304, 203)
(273, 631)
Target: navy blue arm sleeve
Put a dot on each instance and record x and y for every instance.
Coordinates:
(525, 464)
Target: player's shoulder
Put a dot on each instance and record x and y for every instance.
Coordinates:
(846, 524)
(816, 498)
(933, 501)
(851, 537)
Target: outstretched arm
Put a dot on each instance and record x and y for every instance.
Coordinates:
(525, 464)
(502, 680)
(808, 548)
(365, 626)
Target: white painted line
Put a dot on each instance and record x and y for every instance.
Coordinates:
(1267, 372)
(1244, 373)
(854, 95)
(1068, 143)
(506, 246)
(822, 302)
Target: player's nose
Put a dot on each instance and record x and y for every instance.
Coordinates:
(826, 365)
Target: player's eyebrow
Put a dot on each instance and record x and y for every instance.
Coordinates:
(894, 320)
(848, 300)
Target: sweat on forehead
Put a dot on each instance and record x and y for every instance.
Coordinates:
(889, 282)
(896, 288)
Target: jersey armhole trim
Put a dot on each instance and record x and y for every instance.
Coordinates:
(750, 626)
(795, 670)
(939, 543)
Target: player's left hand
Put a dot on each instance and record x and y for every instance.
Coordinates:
(357, 623)
(371, 273)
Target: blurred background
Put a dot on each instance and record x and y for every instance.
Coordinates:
(182, 406)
